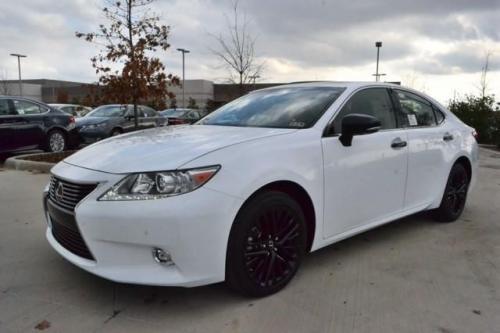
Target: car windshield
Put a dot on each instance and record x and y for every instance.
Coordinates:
(291, 107)
(174, 113)
(108, 111)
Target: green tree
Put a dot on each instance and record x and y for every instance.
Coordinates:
(478, 112)
(192, 103)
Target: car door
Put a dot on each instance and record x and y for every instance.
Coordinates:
(150, 117)
(364, 183)
(31, 126)
(128, 123)
(428, 140)
(8, 124)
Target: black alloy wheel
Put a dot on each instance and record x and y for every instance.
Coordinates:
(455, 195)
(266, 245)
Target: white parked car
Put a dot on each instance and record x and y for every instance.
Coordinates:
(243, 194)
(73, 109)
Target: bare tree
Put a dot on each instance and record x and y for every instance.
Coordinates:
(236, 49)
(483, 82)
(415, 81)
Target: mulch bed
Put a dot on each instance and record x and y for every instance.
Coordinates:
(48, 157)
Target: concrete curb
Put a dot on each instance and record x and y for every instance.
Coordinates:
(20, 162)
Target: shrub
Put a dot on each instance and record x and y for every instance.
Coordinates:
(478, 112)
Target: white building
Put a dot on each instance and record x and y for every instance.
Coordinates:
(30, 90)
(199, 90)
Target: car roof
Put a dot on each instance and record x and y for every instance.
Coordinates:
(63, 104)
(177, 109)
(333, 84)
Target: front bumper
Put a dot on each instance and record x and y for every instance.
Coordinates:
(193, 228)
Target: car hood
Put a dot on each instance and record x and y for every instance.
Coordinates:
(163, 148)
(90, 121)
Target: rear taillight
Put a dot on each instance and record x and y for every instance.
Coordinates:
(71, 120)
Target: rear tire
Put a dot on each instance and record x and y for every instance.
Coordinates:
(56, 141)
(266, 244)
(455, 195)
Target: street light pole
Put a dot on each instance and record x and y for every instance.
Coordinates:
(378, 45)
(19, 56)
(184, 51)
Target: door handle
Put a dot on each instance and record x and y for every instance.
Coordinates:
(447, 137)
(398, 143)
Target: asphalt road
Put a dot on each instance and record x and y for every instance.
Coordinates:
(413, 275)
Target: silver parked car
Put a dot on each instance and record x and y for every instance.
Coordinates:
(114, 119)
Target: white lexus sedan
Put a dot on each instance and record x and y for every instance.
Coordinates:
(244, 193)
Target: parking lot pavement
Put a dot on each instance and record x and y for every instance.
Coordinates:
(413, 275)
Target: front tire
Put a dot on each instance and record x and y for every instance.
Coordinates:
(266, 244)
(56, 141)
(455, 195)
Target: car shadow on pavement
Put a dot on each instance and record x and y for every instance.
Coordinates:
(87, 290)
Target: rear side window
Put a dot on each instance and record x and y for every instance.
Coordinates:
(439, 115)
(417, 112)
(373, 102)
(27, 108)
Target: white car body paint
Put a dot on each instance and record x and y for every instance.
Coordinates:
(352, 188)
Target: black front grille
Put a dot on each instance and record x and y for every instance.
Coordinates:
(66, 194)
(71, 240)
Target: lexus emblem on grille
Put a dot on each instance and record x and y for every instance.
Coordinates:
(59, 191)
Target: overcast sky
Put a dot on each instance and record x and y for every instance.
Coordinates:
(437, 46)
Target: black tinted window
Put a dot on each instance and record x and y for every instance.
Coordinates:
(4, 107)
(416, 110)
(109, 111)
(27, 108)
(373, 102)
(290, 107)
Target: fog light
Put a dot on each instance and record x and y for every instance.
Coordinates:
(162, 257)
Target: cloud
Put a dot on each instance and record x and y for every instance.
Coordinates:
(298, 40)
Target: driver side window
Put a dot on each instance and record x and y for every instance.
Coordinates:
(374, 102)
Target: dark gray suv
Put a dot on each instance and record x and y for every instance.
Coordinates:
(113, 119)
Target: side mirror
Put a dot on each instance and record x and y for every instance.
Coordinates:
(357, 124)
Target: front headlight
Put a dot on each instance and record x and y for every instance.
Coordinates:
(157, 185)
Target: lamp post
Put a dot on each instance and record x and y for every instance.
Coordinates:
(19, 56)
(378, 45)
(184, 51)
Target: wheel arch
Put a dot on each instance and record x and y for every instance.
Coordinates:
(56, 128)
(117, 127)
(300, 195)
(465, 161)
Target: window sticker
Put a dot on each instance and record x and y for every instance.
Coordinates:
(412, 120)
(297, 124)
